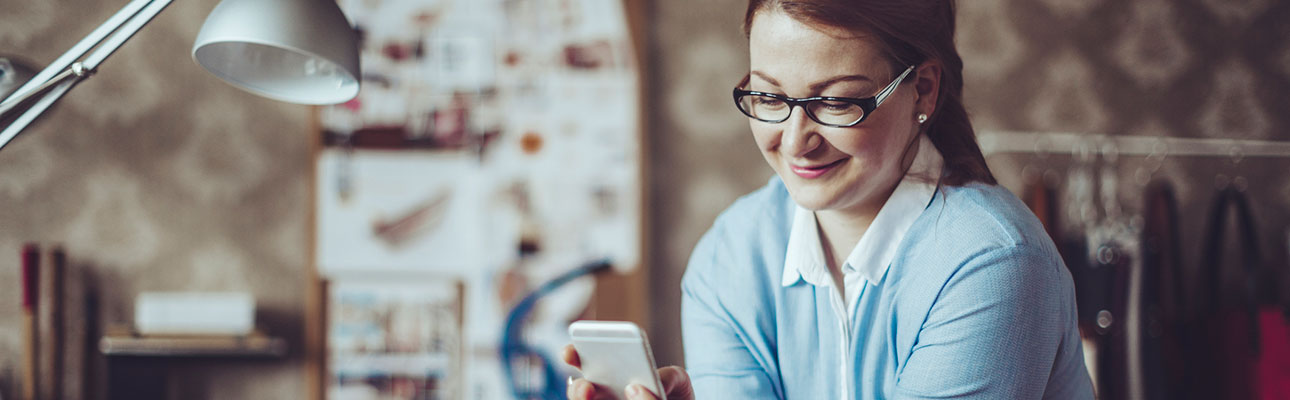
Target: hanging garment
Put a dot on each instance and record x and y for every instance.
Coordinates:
(1274, 354)
(1097, 267)
(1114, 348)
(1225, 333)
(1093, 280)
(1162, 341)
(1273, 365)
(1041, 198)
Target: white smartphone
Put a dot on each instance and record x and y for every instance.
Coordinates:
(615, 354)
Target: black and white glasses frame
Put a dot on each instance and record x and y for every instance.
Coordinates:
(864, 106)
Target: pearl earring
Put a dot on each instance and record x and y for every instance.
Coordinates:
(922, 118)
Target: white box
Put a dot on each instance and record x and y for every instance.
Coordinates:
(194, 313)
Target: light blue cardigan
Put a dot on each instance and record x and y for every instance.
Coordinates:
(976, 304)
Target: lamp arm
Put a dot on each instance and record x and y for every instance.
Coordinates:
(84, 46)
(77, 71)
(65, 72)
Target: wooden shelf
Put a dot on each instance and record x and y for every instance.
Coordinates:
(253, 346)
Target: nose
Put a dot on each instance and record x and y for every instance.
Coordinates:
(799, 136)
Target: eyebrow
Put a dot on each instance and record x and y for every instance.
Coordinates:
(818, 86)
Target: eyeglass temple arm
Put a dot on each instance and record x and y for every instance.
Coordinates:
(892, 86)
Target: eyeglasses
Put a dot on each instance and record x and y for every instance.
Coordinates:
(837, 112)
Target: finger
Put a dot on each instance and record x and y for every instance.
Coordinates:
(637, 392)
(676, 382)
(581, 389)
(570, 356)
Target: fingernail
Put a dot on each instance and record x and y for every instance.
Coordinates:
(633, 390)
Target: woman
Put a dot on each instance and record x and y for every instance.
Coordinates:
(883, 261)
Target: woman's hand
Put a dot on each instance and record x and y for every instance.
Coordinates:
(675, 382)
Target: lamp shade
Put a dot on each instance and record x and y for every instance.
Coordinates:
(298, 51)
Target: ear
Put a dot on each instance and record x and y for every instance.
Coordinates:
(928, 86)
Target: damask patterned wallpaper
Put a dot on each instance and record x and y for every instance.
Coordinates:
(1181, 68)
(1200, 68)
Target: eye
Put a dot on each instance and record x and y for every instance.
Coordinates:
(767, 101)
(836, 112)
(836, 105)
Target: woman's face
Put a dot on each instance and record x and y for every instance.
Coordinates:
(849, 169)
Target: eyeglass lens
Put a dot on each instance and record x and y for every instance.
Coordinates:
(770, 109)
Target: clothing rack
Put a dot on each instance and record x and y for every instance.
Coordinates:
(994, 142)
(1097, 152)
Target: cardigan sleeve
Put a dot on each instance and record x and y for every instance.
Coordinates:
(718, 360)
(992, 331)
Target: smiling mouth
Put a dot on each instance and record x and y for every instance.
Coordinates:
(816, 171)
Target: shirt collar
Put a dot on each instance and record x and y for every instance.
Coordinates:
(805, 256)
(872, 256)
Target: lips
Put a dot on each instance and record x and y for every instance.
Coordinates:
(817, 170)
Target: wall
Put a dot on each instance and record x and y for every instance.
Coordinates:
(702, 156)
(1190, 68)
(157, 176)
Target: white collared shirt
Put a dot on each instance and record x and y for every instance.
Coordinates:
(872, 255)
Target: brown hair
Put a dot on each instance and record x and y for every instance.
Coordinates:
(911, 32)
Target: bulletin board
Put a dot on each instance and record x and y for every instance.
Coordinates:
(495, 145)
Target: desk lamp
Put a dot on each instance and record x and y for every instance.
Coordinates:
(298, 51)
